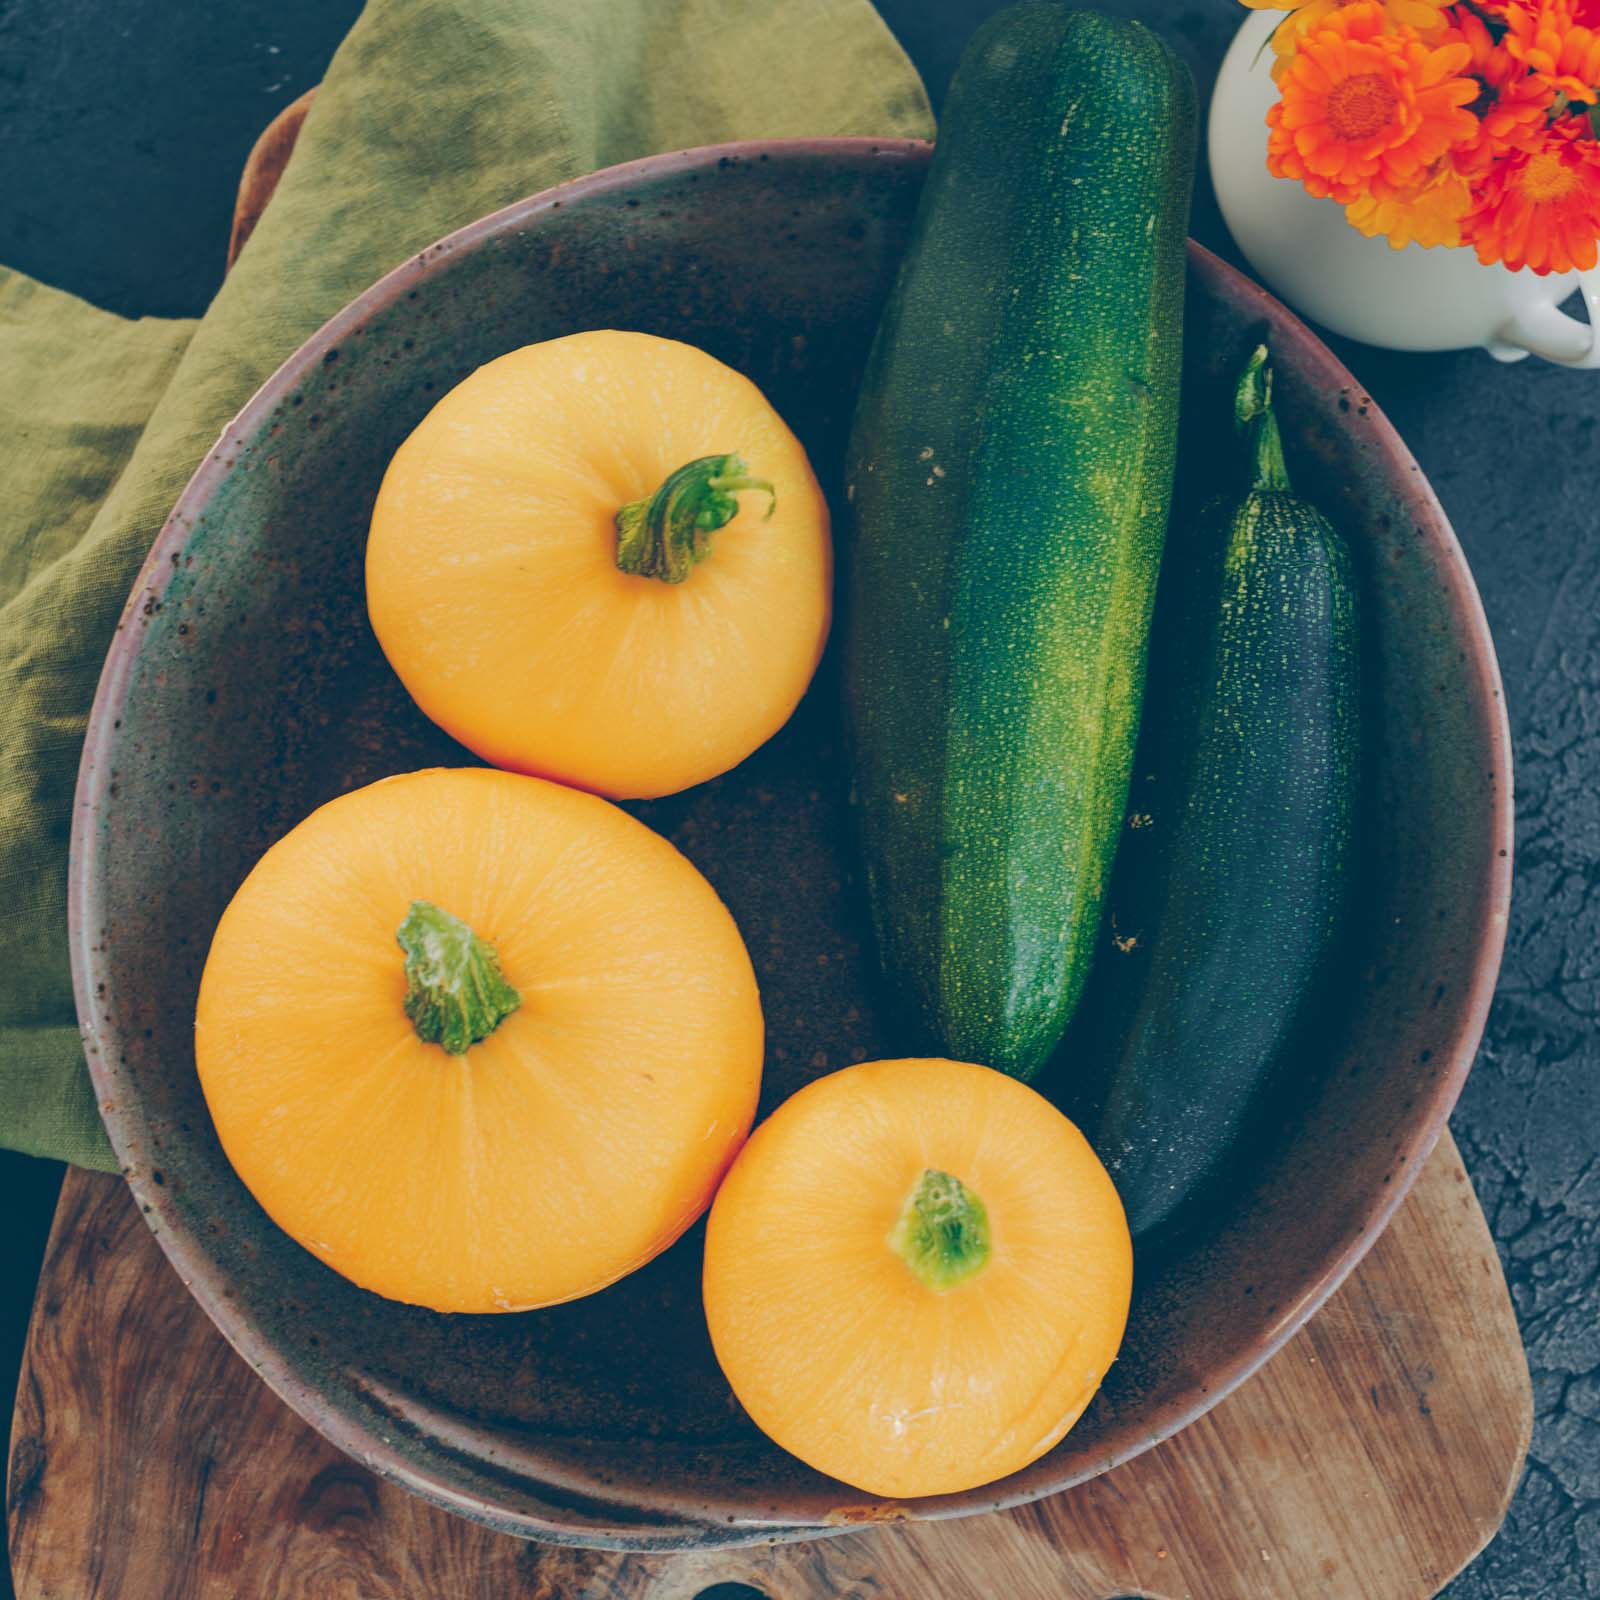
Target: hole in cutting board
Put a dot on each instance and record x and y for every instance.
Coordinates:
(731, 1591)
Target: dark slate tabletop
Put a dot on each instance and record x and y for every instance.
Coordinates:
(123, 126)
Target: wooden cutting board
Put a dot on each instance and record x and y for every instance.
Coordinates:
(1370, 1460)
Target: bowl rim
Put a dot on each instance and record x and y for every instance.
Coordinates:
(607, 1523)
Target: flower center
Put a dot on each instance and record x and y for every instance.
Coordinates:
(1361, 106)
(1547, 177)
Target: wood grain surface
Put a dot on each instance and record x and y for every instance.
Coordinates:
(262, 169)
(1370, 1460)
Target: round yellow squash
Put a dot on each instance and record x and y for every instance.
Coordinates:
(480, 1042)
(603, 559)
(917, 1274)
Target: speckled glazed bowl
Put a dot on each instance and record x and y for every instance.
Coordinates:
(244, 688)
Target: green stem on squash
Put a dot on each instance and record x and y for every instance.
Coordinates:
(942, 1232)
(664, 535)
(455, 992)
(1258, 424)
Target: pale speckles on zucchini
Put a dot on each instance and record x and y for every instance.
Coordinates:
(1230, 884)
(998, 610)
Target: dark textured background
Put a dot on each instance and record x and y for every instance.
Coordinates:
(123, 126)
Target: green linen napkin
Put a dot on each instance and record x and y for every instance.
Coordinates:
(432, 113)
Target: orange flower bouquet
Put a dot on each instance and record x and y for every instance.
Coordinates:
(1470, 124)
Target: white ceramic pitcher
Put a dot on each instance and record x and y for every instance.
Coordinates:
(1410, 299)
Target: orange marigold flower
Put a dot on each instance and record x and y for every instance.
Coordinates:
(1428, 215)
(1556, 48)
(1512, 107)
(1429, 19)
(1426, 16)
(1305, 18)
(1541, 209)
(1364, 107)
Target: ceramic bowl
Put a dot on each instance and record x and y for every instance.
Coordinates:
(244, 688)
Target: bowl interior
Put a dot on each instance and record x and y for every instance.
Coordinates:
(246, 688)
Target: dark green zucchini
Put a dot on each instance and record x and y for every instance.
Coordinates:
(1010, 471)
(1230, 885)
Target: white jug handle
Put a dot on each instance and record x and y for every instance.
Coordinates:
(1545, 330)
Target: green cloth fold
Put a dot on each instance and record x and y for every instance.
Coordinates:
(432, 113)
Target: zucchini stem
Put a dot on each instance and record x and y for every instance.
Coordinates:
(942, 1232)
(666, 534)
(1258, 424)
(456, 994)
